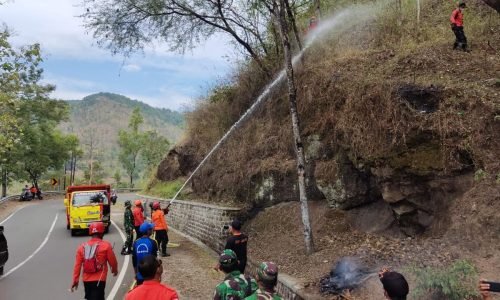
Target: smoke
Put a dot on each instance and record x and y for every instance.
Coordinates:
(347, 274)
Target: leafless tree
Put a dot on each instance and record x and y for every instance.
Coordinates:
(278, 9)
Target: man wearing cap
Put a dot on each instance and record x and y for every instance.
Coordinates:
(143, 247)
(93, 257)
(161, 228)
(267, 278)
(395, 285)
(128, 223)
(235, 285)
(238, 243)
(152, 288)
(138, 213)
(457, 25)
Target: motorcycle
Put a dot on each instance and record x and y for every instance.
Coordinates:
(26, 196)
(114, 197)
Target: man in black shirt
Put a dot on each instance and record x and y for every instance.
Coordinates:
(238, 243)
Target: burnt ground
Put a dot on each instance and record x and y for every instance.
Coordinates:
(276, 235)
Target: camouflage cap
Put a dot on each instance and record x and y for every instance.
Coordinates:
(268, 271)
(228, 258)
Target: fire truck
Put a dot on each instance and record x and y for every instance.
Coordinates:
(86, 204)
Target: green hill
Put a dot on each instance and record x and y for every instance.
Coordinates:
(97, 119)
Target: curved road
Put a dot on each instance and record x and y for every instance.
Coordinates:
(42, 254)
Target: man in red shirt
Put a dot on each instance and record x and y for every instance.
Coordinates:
(152, 289)
(94, 256)
(457, 25)
(138, 213)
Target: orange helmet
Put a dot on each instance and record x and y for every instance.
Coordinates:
(156, 205)
(96, 227)
(138, 202)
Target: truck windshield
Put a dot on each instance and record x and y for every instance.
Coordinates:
(89, 198)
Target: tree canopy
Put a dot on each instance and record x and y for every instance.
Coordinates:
(29, 142)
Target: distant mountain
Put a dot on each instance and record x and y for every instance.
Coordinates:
(97, 119)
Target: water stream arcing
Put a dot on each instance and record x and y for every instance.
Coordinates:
(346, 17)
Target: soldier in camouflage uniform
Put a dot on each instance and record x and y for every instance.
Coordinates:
(128, 223)
(267, 278)
(235, 286)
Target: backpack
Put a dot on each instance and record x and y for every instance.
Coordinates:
(90, 263)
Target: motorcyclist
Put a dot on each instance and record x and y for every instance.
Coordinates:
(114, 196)
(26, 194)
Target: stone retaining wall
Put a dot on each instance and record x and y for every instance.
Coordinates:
(201, 221)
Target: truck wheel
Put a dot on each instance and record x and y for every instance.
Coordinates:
(1, 270)
(73, 232)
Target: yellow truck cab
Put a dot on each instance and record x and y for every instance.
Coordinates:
(86, 204)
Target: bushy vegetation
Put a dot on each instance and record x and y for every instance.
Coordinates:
(348, 87)
(455, 282)
(165, 190)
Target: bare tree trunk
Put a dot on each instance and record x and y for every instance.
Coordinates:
(74, 171)
(4, 182)
(91, 163)
(291, 18)
(280, 9)
(317, 4)
(418, 11)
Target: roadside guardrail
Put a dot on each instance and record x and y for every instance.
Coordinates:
(16, 197)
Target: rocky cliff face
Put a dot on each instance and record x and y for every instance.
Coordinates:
(394, 149)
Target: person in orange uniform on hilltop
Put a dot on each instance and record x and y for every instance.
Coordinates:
(94, 256)
(457, 26)
(138, 213)
(152, 289)
(161, 228)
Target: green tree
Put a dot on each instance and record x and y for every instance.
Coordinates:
(131, 142)
(30, 144)
(126, 26)
(117, 177)
(98, 173)
(155, 147)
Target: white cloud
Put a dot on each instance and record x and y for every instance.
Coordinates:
(56, 26)
(132, 68)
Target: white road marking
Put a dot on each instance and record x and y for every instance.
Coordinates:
(34, 253)
(12, 214)
(119, 280)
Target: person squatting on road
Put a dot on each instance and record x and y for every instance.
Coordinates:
(395, 285)
(128, 223)
(267, 279)
(235, 286)
(143, 247)
(152, 288)
(93, 257)
(161, 228)
(238, 243)
(457, 26)
(138, 213)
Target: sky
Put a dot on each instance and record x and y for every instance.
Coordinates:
(79, 68)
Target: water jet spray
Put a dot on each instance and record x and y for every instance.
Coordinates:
(347, 17)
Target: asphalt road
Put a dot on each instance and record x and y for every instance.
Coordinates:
(42, 254)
